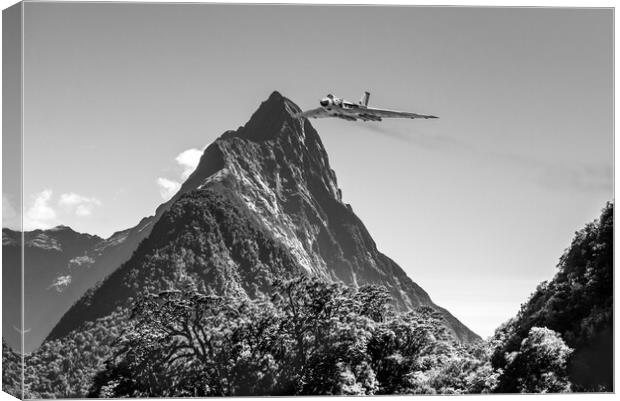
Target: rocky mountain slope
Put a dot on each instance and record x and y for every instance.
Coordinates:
(263, 204)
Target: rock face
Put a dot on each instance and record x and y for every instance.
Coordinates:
(262, 204)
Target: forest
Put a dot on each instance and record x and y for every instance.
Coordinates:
(307, 336)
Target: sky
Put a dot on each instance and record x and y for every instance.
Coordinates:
(476, 206)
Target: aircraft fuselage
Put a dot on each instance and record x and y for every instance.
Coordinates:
(346, 110)
(331, 106)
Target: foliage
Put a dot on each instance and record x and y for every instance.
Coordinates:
(466, 370)
(305, 336)
(206, 239)
(64, 368)
(209, 331)
(309, 337)
(578, 305)
(540, 364)
(11, 371)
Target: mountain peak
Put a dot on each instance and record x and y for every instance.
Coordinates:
(61, 227)
(262, 204)
(275, 95)
(270, 119)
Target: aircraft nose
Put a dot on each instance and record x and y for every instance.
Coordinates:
(324, 102)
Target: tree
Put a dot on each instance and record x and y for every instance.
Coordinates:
(183, 343)
(577, 304)
(326, 327)
(405, 347)
(11, 371)
(309, 337)
(540, 365)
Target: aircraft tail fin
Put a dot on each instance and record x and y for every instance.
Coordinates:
(364, 99)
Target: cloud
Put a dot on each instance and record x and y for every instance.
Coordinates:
(188, 160)
(80, 205)
(167, 188)
(40, 214)
(80, 261)
(61, 283)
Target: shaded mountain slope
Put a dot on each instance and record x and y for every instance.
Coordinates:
(262, 204)
(52, 259)
(60, 265)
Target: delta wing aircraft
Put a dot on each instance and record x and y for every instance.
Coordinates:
(332, 106)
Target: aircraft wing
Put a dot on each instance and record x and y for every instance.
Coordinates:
(316, 113)
(392, 114)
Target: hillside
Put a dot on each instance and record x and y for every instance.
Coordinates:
(577, 304)
(61, 264)
(54, 273)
